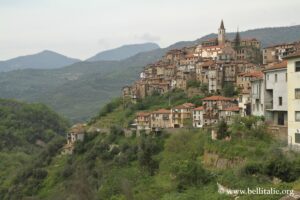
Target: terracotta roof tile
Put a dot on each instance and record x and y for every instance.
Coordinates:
(279, 65)
(185, 105)
(162, 111)
(254, 74)
(217, 98)
(143, 114)
(199, 108)
(233, 108)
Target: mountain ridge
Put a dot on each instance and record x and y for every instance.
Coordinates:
(45, 59)
(123, 52)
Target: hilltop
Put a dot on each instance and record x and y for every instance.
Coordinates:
(42, 60)
(79, 90)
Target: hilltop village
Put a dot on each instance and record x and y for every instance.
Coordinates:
(267, 82)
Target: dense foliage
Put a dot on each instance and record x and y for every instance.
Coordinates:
(30, 136)
(186, 164)
(22, 124)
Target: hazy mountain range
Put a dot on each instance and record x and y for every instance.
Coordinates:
(43, 60)
(52, 60)
(124, 52)
(79, 90)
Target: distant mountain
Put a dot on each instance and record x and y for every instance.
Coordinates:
(79, 90)
(124, 52)
(43, 60)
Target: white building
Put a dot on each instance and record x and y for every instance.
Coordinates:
(275, 98)
(257, 95)
(198, 121)
(293, 76)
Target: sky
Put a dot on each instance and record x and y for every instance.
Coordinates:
(82, 28)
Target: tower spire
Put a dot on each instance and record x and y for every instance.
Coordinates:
(222, 25)
(221, 34)
(237, 39)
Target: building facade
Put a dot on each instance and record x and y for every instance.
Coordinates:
(293, 90)
(276, 94)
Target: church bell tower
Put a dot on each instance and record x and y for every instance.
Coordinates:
(221, 34)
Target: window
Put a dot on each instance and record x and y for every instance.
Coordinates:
(297, 138)
(275, 77)
(268, 77)
(297, 116)
(280, 101)
(297, 66)
(297, 93)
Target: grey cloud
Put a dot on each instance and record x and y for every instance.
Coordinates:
(148, 37)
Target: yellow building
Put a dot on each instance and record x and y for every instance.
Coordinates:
(293, 76)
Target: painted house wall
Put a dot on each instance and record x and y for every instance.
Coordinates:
(293, 103)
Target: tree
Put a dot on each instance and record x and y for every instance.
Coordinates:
(204, 87)
(190, 173)
(222, 130)
(229, 90)
(148, 147)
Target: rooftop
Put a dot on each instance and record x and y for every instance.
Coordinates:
(233, 108)
(143, 114)
(185, 105)
(294, 55)
(274, 66)
(199, 108)
(217, 98)
(162, 111)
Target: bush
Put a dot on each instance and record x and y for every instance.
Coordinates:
(222, 130)
(190, 173)
(252, 168)
(193, 84)
(148, 147)
(281, 167)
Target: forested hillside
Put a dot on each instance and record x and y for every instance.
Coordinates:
(26, 130)
(185, 164)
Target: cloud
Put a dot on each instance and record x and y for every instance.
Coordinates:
(147, 37)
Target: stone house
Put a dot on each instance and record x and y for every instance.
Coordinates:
(198, 120)
(182, 113)
(76, 133)
(276, 53)
(228, 113)
(202, 69)
(213, 107)
(143, 121)
(215, 79)
(257, 95)
(161, 118)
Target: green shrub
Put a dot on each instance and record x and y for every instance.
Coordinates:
(252, 168)
(190, 173)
